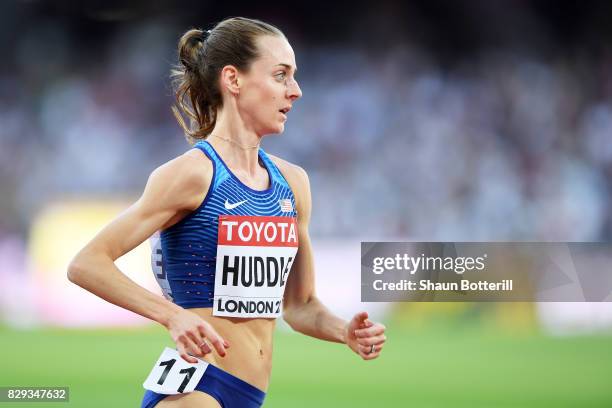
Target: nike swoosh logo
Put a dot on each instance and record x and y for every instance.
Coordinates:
(229, 206)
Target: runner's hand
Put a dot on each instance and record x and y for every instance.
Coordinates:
(362, 333)
(192, 334)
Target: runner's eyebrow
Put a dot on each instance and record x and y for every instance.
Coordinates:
(287, 66)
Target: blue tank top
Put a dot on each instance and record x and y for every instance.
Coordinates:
(253, 223)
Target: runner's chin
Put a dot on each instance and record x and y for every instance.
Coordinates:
(278, 126)
(281, 123)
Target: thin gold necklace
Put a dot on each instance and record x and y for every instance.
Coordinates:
(236, 143)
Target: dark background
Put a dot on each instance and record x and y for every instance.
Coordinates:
(480, 120)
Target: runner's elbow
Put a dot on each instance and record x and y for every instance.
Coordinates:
(294, 324)
(289, 316)
(77, 269)
(294, 314)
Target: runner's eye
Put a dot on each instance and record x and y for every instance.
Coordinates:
(280, 75)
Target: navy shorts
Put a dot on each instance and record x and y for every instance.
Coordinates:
(228, 390)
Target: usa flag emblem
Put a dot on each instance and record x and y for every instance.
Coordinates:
(285, 205)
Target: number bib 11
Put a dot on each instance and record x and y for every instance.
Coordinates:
(173, 375)
(254, 257)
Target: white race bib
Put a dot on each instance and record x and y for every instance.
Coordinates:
(254, 258)
(173, 375)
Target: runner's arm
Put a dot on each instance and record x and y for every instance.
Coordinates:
(303, 311)
(172, 190)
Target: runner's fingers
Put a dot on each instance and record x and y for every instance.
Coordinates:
(365, 324)
(374, 330)
(205, 347)
(361, 316)
(211, 335)
(203, 344)
(199, 342)
(184, 355)
(372, 356)
(189, 345)
(368, 341)
(214, 338)
(218, 345)
(364, 352)
(367, 349)
(358, 321)
(366, 355)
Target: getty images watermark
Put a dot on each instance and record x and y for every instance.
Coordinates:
(436, 271)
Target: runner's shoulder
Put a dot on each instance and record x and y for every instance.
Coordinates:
(296, 176)
(299, 183)
(183, 179)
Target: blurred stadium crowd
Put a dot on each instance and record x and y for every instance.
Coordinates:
(501, 144)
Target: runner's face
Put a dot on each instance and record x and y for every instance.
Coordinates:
(269, 86)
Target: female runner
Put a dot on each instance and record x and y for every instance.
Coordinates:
(235, 250)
